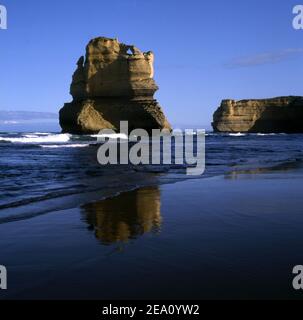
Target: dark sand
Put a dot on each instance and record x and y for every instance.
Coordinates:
(237, 236)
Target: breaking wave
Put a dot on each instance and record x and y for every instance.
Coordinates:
(35, 138)
(237, 134)
(75, 145)
(110, 135)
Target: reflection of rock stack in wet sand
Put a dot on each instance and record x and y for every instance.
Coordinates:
(126, 216)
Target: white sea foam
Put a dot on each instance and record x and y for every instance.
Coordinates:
(64, 145)
(266, 134)
(30, 136)
(239, 134)
(38, 139)
(113, 136)
(42, 133)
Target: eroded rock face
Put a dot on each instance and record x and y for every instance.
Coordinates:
(114, 82)
(282, 114)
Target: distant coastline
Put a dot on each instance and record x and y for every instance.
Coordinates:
(25, 121)
(6, 115)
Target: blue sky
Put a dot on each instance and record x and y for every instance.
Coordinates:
(205, 50)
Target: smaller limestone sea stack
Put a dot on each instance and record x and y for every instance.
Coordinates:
(276, 115)
(113, 83)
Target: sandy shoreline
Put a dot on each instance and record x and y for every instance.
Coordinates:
(236, 236)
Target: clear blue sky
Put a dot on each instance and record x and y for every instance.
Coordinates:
(205, 50)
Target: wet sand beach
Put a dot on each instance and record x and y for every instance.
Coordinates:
(230, 236)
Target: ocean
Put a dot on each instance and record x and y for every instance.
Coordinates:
(43, 166)
(62, 213)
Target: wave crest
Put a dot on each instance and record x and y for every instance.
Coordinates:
(32, 138)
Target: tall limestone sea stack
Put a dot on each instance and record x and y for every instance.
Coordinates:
(113, 83)
(276, 115)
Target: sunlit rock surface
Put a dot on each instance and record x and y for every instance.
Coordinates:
(282, 114)
(112, 83)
